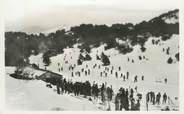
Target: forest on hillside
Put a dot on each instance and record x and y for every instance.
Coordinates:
(20, 45)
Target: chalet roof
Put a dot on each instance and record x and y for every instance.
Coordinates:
(53, 75)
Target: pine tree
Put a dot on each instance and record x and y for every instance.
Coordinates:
(105, 59)
(177, 56)
(170, 60)
(97, 57)
(81, 57)
(88, 57)
(46, 59)
(79, 62)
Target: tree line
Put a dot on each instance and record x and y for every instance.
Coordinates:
(20, 45)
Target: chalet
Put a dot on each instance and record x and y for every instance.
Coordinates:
(50, 75)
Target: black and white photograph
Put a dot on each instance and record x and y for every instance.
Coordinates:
(92, 55)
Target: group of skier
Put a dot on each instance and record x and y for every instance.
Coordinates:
(153, 98)
(124, 99)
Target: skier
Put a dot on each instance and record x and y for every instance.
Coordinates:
(123, 77)
(112, 67)
(164, 98)
(153, 95)
(82, 69)
(85, 73)
(131, 93)
(101, 74)
(126, 100)
(72, 74)
(58, 88)
(119, 68)
(117, 101)
(88, 71)
(132, 106)
(106, 74)
(135, 78)
(127, 75)
(111, 71)
(148, 97)
(122, 97)
(137, 106)
(79, 73)
(116, 74)
(158, 98)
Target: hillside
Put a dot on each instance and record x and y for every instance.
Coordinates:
(89, 36)
(99, 54)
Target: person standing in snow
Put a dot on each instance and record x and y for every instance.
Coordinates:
(123, 77)
(72, 74)
(136, 88)
(88, 71)
(93, 90)
(58, 88)
(116, 74)
(148, 97)
(112, 67)
(79, 73)
(153, 95)
(164, 98)
(117, 101)
(61, 68)
(127, 75)
(135, 79)
(82, 70)
(122, 97)
(131, 93)
(126, 100)
(109, 94)
(111, 71)
(101, 74)
(132, 106)
(137, 105)
(158, 98)
(85, 73)
(102, 92)
(119, 68)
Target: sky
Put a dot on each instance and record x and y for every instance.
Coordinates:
(34, 16)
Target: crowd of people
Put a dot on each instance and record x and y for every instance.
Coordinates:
(124, 99)
(153, 98)
(105, 71)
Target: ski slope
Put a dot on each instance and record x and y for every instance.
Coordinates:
(154, 68)
(34, 95)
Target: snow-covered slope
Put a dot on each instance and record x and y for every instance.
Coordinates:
(34, 95)
(154, 67)
(171, 17)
